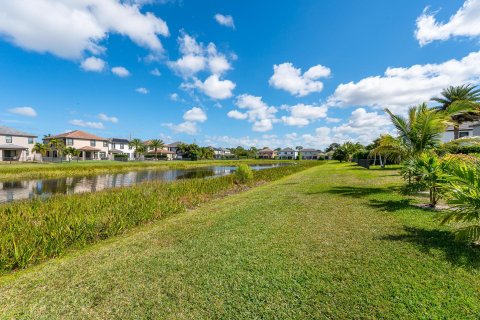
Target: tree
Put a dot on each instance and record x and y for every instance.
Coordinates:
(347, 150)
(466, 97)
(332, 147)
(156, 144)
(138, 146)
(390, 148)
(41, 149)
(431, 175)
(72, 152)
(58, 146)
(298, 148)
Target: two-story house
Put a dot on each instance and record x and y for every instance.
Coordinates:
(120, 146)
(90, 146)
(466, 130)
(222, 153)
(309, 154)
(288, 154)
(16, 145)
(173, 147)
(267, 153)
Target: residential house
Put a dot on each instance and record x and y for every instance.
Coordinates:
(288, 154)
(117, 146)
(267, 153)
(309, 154)
(173, 147)
(91, 147)
(16, 145)
(222, 153)
(466, 130)
(163, 153)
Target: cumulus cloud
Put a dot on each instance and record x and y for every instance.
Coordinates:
(93, 64)
(301, 114)
(255, 111)
(187, 127)
(68, 29)
(142, 90)
(155, 72)
(287, 77)
(120, 72)
(235, 114)
(87, 124)
(465, 22)
(216, 88)
(225, 20)
(398, 88)
(195, 115)
(174, 97)
(104, 117)
(23, 111)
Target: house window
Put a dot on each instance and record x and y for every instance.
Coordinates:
(27, 152)
(30, 141)
(463, 134)
(103, 155)
(105, 143)
(129, 147)
(113, 145)
(69, 142)
(92, 143)
(8, 139)
(121, 146)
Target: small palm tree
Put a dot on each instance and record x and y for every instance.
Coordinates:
(137, 145)
(466, 97)
(41, 149)
(156, 144)
(59, 146)
(390, 148)
(431, 175)
(72, 152)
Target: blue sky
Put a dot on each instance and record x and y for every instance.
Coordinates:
(227, 73)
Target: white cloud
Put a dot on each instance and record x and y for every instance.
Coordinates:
(93, 64)
(399, 88)
(184, 127)
(68, 29)
(87, 124)
(155, 72)
(292, 121)
(256, 111)
(225, 20)
(174, 97)
(287, 77)
(104, 117)
(465, 22)
(235, 114)
(262, 125)
(301, 114)
(120, 71)
(142, 90)
(195, 115)
(24, 111)
(216, 88)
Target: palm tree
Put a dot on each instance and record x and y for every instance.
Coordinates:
(465, 96)
(422, 128)
(156, 144)
(137, 145)
(59, 146)
(41, 149)
(391, 148)
(71, 151)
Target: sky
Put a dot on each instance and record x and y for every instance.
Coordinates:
(227, 73)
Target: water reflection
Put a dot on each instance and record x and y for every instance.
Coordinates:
(28, 189)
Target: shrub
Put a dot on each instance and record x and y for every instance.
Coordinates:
(243, 174)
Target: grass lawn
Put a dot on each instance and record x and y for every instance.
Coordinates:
(334, 241)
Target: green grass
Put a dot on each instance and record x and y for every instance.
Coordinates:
(20, 171)
(334, 241)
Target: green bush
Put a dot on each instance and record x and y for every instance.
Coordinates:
(243, 174)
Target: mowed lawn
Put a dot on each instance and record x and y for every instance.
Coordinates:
(335, 241)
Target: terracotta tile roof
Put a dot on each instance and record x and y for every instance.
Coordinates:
(77, 134)
(88, 149)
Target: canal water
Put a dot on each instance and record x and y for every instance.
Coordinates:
(44, 188)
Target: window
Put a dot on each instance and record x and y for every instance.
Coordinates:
(121, 146)
(30, 141)
(103, 155)
(113, 145)
(463, 134)
(105, 143)
(27, 152)
(69, 142)
(129, 147)
(8, 139)
(93, 143)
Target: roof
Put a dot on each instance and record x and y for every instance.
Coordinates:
(308, 150)
(161, 151)
(266, 150)
(287, 149)
(88, 148)
(119, 140)
(76, 134)
(14, 132)
(11, 146)
(115, 151)
(174, 144)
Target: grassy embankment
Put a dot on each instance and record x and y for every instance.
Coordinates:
(20, 171)
(35, 230)
(335, 241)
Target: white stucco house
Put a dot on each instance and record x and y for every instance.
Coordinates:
(288, 154)
(221, 153)
(16, 145)
(91, 147)
(120, 146)
(309, 154)
(466, 130)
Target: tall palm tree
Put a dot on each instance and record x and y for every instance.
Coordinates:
(137, 145)
(466, 96)
(156, 144)
(422, 128)
(59, 146)
(41, 149)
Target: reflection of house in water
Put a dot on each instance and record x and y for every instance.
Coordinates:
(17, 190)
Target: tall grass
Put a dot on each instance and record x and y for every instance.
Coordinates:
(34, 230)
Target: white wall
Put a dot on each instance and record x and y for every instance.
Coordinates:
(23, 142)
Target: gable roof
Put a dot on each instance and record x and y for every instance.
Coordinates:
(287, 149)
(14, 132)
(266, 150)
(119, 140)
(307, 150)
(174, 144)
(77, 134)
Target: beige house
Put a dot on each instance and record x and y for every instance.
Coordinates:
(267, 153)
(16, 145)
(91, 147)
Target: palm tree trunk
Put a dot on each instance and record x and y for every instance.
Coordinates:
(456, 131)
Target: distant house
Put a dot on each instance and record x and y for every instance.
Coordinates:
(16, 145)
(267, 153)
(173, 147)
(91, 147)
(309, 154)
(164, 152)
(221, 153)
(466, 130)
(117, 146)
(288, 154)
